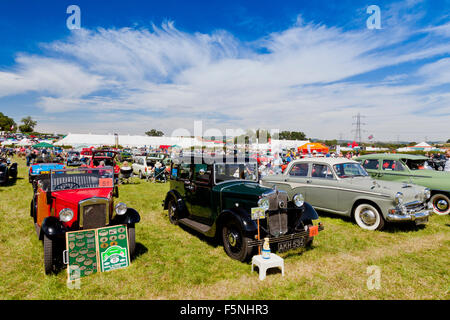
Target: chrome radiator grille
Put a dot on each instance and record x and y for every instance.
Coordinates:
(94, 213)
(277, 217)
(414, 206)
(278, 223)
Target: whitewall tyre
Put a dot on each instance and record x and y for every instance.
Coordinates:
(441, 204)
(368, 217)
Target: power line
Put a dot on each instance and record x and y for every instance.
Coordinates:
(358, 127)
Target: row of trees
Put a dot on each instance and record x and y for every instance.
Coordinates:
(8, 124)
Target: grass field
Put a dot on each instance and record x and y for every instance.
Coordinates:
(173, 263)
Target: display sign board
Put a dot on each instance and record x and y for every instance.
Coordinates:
(113, 248)
(96, 250)
(258, 213)
(81, 253)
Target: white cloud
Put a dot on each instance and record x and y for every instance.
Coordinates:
(131, 80)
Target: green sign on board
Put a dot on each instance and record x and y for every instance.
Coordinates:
(113, 248)
(96, 250)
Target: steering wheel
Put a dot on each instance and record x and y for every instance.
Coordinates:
(67, 186)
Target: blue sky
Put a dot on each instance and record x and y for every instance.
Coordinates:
(296, 65)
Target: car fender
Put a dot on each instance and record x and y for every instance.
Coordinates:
(309, 213)
(129, 218)
(248, 225)
(53, 229)
(174, 194)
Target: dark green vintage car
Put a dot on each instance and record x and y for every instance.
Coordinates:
(409, 168)
(216, 199)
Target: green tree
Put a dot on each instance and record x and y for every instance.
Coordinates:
(292, 135)
(28, 125)
(7, 123)
(154, 133)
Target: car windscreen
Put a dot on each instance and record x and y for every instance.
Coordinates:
(82, 178)
(350, 169)
(235, 171)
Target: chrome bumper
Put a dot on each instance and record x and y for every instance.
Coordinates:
(408, 217)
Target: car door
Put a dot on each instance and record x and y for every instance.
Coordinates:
(295, 181)
(199, 195)
(323, 188)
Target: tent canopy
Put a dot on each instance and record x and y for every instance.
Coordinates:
(313, 146)
(43, 145)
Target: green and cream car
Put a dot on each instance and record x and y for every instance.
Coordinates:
(344, 187)
(410, 168)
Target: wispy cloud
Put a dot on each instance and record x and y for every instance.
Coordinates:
(163, 77)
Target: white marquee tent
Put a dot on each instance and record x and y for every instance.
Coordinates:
(95, 140)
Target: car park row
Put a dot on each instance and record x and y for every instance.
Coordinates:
(218, 196)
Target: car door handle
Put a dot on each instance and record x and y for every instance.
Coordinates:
(308, 181)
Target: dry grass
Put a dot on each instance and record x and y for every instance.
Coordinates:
(173, 263)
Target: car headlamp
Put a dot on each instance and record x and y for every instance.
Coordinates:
(299, 200)
(399, 199)
(121, 208)
(65, 215)
(426, 194)
(263, 203)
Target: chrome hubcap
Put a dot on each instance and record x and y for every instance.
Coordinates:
(368, 217)
(172, 211)
(442, 205)
(232, 239)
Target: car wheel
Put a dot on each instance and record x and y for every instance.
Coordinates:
(368, 217)
(441, 204)
(172, 208)
(49, 255)
(234, 241)
(309, 242)
(131, 240)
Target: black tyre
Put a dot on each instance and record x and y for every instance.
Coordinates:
(131, 240)
(235, 242)
(310, 240)
(50, 259)
(172, 211)
(141, 176)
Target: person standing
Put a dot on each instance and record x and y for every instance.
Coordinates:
(28, 156)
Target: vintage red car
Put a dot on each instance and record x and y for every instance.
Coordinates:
(77, 199)
(107, 157)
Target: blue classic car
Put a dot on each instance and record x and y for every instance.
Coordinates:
(40, 169)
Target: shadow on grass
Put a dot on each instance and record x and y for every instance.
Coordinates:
(335, 217)
(212, 242)
(11, 182)
(403, 227)
(407, 226)
(139, 250)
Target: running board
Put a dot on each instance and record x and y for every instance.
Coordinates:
(200, 227)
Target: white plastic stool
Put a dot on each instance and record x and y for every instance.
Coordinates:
(264, 264)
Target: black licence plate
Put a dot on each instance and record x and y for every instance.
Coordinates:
(291, 244)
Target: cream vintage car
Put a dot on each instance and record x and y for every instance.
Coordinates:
(343, 186)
